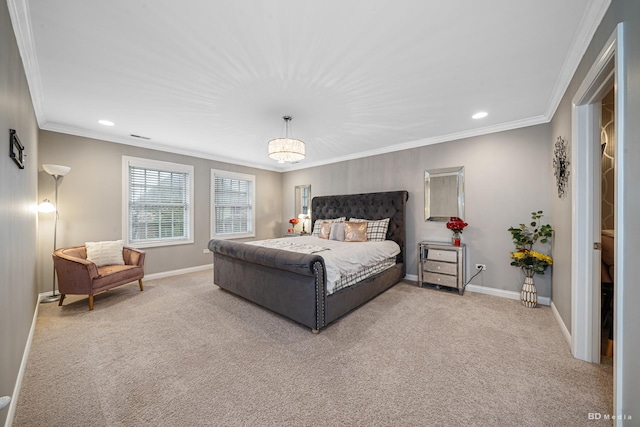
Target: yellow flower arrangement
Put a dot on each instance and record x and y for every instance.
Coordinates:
(524, 237)
(533, 261)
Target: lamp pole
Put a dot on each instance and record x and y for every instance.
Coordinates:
(54, 296)
(57, 172)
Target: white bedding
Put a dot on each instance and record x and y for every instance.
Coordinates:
(340, 258)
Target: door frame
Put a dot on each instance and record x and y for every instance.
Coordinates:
(585, 289)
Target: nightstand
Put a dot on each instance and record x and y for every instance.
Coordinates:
(441, 264)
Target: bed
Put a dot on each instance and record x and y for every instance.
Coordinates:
(294, 284)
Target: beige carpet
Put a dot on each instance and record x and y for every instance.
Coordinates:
(185, 353)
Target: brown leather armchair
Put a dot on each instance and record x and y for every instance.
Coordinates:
(77, 276)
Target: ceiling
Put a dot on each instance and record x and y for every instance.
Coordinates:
(214, 78)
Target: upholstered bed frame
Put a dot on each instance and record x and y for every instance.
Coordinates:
(294, 284)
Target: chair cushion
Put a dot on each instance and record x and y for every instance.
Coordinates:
(116, 275)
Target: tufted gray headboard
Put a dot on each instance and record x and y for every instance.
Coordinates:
(391, 204)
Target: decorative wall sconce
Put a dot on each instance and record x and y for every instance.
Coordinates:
(561, 166)
(16, 149)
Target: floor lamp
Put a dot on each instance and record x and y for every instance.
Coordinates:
(57, 172)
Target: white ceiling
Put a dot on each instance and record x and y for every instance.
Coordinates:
(214, 78)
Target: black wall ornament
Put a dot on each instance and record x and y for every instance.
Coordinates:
(16, 149)
(561, 166)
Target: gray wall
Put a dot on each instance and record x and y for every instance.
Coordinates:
(18, 219)
(627, 380)
(90, 200)
(507, 176)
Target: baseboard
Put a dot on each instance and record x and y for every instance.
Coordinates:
(503, 293)
(23, 366)
(177, 272)
(563, 328)
(412, 277)
(491, 291)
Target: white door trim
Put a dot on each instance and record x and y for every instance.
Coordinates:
(585, 296)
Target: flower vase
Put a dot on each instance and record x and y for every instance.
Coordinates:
(529, 293)
(455, 239)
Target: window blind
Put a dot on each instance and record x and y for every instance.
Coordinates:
(233, 203)
(158, 205)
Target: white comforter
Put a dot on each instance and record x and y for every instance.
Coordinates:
(340, 258)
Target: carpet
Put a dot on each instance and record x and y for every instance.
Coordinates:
(184, 352)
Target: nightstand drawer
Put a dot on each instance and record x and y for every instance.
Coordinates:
(441, 279)
(442, 255)
(441, 267)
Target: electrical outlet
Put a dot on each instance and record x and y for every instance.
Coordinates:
(205, 251)
(481, 267)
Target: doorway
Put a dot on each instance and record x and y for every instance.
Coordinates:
(586, 228)
(607, 222)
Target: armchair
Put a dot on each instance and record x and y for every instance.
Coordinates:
(78, 276)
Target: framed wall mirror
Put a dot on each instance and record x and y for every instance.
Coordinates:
(444, 193)
(302, 200)
(302, 208)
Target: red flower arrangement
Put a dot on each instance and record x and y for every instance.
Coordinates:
(293, 222)
(456, 225)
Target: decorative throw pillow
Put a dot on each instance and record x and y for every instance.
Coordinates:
(337, 231)
(355, 231)
(376, 230)
(105, 253)
(318, 223)
(325, 230)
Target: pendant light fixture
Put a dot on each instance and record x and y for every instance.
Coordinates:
(286, 150)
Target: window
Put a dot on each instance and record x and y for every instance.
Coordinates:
(232, 205)
(157, 202)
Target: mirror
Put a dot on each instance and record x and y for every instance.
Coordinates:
(302, 200)
(302, 208)
(444, 193)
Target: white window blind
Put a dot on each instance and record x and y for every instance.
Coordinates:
(233, 199)
(159, 203)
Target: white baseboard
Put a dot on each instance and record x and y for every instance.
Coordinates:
(178, 272)
(490, 291)
(503, 293)
(563, 328)
(23, 366)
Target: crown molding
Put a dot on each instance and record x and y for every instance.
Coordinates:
(19, 13)
(70, 130)
(516, 124)
(588, 25)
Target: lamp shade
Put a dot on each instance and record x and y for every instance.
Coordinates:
(286, 150)
(46, 206)
(58, 170)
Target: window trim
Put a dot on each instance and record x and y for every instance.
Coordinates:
(163, 166)
(212, 222)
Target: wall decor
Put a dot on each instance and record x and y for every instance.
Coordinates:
(16, 149)
(561, 166)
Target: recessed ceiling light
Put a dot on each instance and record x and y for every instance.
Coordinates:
(480, 115)
(106, 122)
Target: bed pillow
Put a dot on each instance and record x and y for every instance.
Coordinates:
(325, 230)
(355, 231)
(105, 253)
(318, 223)
(376, 230)
(337, 231)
